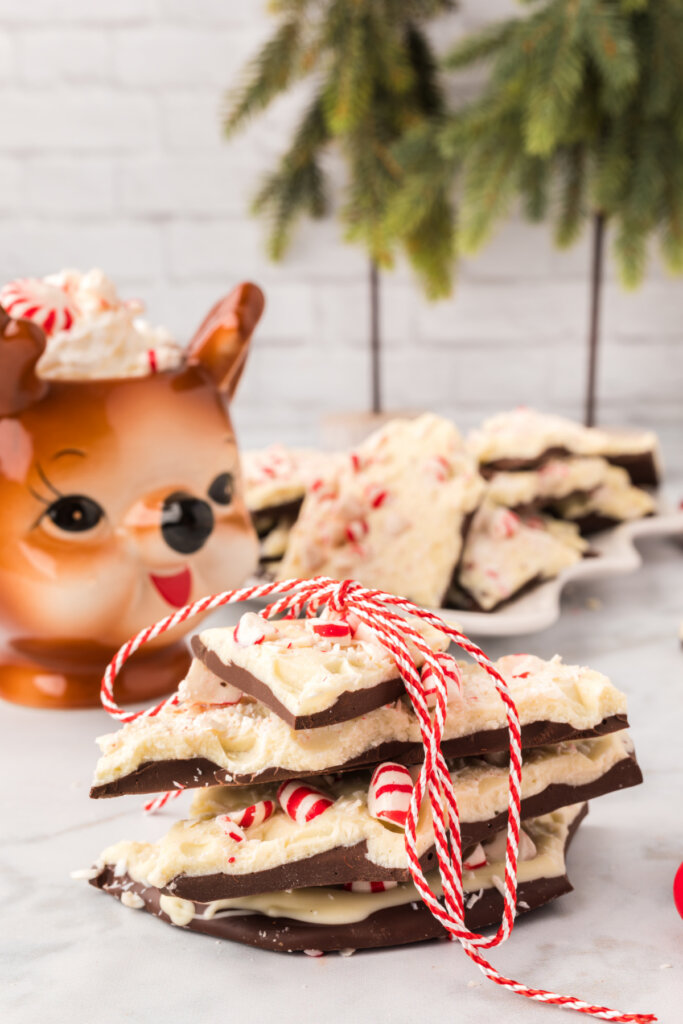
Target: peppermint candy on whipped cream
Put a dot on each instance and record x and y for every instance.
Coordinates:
(91, 332)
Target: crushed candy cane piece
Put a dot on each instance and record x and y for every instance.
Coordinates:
(251, 629)
(231, 830)
(302, 803)
(333, 630)
(255, 814)
(477, 859)
(361, 886)
(389, 794)
(496, 848)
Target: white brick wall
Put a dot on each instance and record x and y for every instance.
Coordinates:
(111, 153)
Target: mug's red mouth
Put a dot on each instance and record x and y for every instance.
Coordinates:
(174, 589)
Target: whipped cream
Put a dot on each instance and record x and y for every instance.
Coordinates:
(107, 338)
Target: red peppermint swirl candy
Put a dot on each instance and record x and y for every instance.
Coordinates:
(302, 803)
(47, 305)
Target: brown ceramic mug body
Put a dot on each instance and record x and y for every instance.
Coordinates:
(120, 501)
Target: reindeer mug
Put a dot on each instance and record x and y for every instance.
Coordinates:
(120, 501)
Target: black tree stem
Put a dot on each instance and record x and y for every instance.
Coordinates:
(597, 266)
(375, 365)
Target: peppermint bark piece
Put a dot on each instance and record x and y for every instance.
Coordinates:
(393, 514)
(524, 439)
(198, 744)
(275, 480)
(556, 480)
(310, 672)
(198, 859)
(615, 501)
(332, 918)
(506, 554)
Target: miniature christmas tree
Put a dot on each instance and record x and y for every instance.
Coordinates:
(373, 77)
(581, 118)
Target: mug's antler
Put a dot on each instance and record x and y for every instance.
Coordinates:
(222, 341)
(21, 345)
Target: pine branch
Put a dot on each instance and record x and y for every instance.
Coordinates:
(572, 201)
(480, 46)
(297, 187)
(272, 71)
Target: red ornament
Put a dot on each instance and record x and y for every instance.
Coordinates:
(678, 890)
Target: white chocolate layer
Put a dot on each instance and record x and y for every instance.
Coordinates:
(505, 551)
(391, 514)
(334, 906)
(525, 434)
(277, 475)
(308, 673)
(201, 847)
(556, 479)
(248, 738)
(617, 498)
(481, 789)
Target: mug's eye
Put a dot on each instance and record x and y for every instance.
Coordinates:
(222, 489)
(75, 513)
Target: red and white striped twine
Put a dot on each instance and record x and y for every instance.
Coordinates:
(383, 613)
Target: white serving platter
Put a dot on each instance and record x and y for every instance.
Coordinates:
(615, 552)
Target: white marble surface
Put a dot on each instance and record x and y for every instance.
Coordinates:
(70, 954)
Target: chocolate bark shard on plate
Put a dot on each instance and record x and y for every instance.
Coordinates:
(310, 672)
(555, 480)
(525, 439)
(330, 919)
(197, 860)
(275, 482)
(391, 515)
(247, 742)
(615, 501)
(192, 773)
(506, 554)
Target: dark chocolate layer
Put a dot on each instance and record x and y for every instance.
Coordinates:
(351, 704)
(159, 776)
(265, 519)
(351, 864)
(641, 467)
(593, 522)
(514, 465)
(395, 926)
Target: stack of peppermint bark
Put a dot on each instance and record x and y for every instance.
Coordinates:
(302, 746)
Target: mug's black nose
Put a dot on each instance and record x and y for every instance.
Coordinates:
(186, 522)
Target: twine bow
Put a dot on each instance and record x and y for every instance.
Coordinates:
(384, 614)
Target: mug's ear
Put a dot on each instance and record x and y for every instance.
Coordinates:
(22, 343)
(222, 341)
